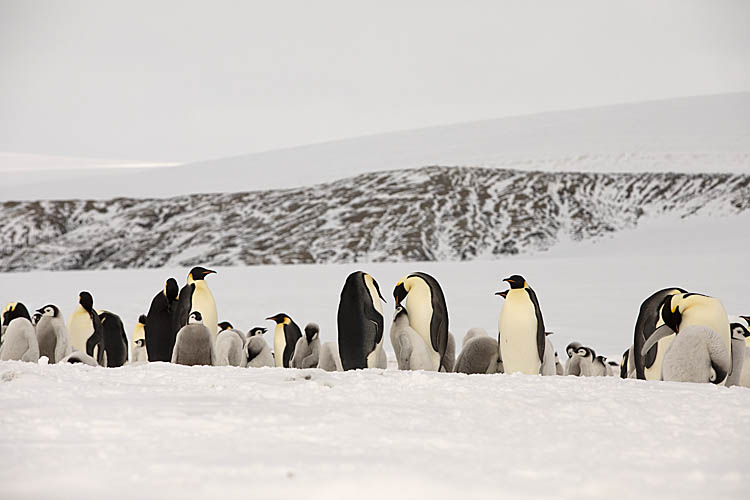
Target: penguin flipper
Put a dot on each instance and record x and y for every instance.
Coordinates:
(185, 304)
(540, 332)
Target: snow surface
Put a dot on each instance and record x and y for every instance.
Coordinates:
(697, 134)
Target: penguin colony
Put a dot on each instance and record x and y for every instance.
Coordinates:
(679, 335)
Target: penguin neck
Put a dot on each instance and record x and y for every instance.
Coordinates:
(516, 294)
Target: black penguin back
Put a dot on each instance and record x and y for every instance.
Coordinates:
(115, 339)
(162, 324)
(360, 325)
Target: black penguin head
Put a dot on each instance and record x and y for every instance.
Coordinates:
(140, 342)
(399, 293)
(225, 325)
(516, 281)
(311, 330)
(171, 289)
(35, 318)
(503, 294)
(142, 319)
(585, 352)
(670, 313)
(86, 301)
(199, 273)
(49, 310)
(280, 318)
(195, 317)
(15, 310)
(572, 348)
(258, 330)
(400, 311)
(739, 332)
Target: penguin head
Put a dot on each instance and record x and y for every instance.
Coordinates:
(311, 331)
(140, 343)
(171, 289)
(199, 273)
(15, 310)
(49, 310)
(35, 318)
(86, 301)
(258, 330)
(586, 352)
(400, 292)
(516, 281)
(195, 317)
(670, 313)
(142, 319)
(225, 325)
(739, 332)
(572, 348)
(280, 319)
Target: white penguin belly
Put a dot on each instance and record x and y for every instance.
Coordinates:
(377, 358)
(80, 329)
(715, 318)
(419, 309)
(517, 327)
(654, 373)
(279, 344)
(203, 302)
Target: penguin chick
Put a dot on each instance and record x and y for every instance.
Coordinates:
(230, 346)
(194, 344)
(411, 351)
(257, 352)
(548, 364)
(559, 369)
(330, 359)
(589, 365)
(307, 350)
(739, 334)
(139, 352)
(479, 355)
(697, 354)
(573, 364)
(76, 357)
(19, 339)
(613, 367)
(472, 333)
(52, 334)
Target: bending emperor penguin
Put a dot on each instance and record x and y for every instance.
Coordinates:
(52, 334)
(427, 314)
(360, 323)
(521, 336)
(648, 366)
(86, 331)
(163, 322)
(285, 337)
(115, 339)
(19, 339)
(196, 296)
(307, 349)
(138, 350)
(257, 352)
(230, 346)
(194, 344)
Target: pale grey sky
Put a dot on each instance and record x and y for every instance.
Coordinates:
(182, 81)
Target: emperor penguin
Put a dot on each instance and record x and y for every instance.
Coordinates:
(194, 344)
(115, 339)
(648, 366)
(360, 323)
(412, 352)
(330, 359)
(230, 346)
(138, 350)
(196, 296)
(689, 309)
(521, 334)
(559, 369)
(739, 350)
(52, 334)
(573, 364)
(257, 352)
(589, 364)
(548, 367)
(163, 322)
(613, 367)
(697, 354)
(478, 353)
(285, 337)
(307, 349)
(86, 330)
(627, 365)
(427, 314)
(19, 339)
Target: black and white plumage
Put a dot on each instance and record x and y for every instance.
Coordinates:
(257, 351)
(697, 354)
(196, 296)
(86, 330)
(521, 332)
(194, 344)
(230, 346)
(115, 339)
(285, 337)
(360, 323)
(138, 350)
(307, 349)
(19, 339)
(648, 366)
(163, 322)
(52, 334)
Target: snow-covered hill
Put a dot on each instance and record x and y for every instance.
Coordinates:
(433, 213)
(696, 134)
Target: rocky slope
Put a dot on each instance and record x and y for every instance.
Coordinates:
(432, 213)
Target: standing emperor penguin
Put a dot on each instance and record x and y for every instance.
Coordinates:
(360, 323)
(196, 296)
(194, 344)
(257, 352)
(115, 339)
(138, 350)
(427, 313)
(648, 366)
(52, 334)
(230, 346)
(521, 335)
(285, 337)
(19, 339)
(307, 349)
(86, 331)
(163, 322)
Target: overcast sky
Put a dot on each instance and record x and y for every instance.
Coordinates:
(179, 81)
